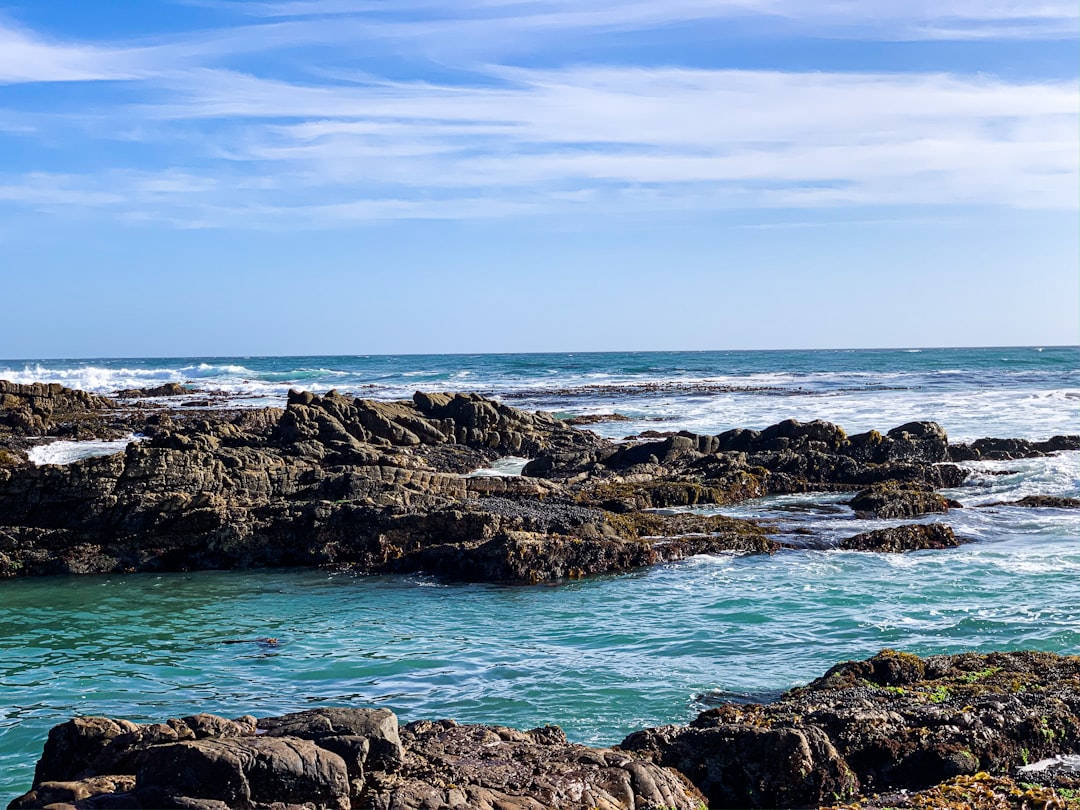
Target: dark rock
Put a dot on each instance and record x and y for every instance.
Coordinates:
(1042, 502)
(299, 761)
(595, 418)
(1008, 449)
(166, 390)
(913, 537)
(892, 501)
(39, 409)
(74, 745)
(893, 722)
(243, 771)
(920, 442)
(742, 765)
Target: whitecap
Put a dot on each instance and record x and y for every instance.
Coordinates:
(508, 466)
(68, 452)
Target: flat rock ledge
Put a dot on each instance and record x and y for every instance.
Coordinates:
(894, 730)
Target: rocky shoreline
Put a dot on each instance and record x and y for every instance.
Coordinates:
(389, 487)
(385, 487)
(895, 730)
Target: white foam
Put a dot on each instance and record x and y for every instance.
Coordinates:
(507, 466)
(1069, 762)
(65, 452)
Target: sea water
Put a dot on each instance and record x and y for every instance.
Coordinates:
(600, 657)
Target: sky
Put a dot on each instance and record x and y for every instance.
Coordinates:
(292, 177)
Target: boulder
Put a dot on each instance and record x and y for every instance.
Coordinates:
(892, 500)
(913, 537)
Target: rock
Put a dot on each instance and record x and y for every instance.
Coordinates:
(40, 409)
(115, 792)
(298, 761)
(1008, 449)
(980, 791)
(921, 442)
(242, 771)
(913, 537)
(1042, 502)
(497, 767)
(893, 501)
(595, 418)
(74, 745)
(347, 482)
(892, 722)
(166, 390)
(364, 738)
(740, 765)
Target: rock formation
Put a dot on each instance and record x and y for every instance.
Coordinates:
(945, 725)
(384, 487)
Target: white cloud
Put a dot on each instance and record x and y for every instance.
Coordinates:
(885, 19)
(599, 139)
(25, 57)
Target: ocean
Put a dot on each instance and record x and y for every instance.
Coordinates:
(603, 656)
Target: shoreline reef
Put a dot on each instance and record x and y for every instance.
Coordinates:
(386, 487)
(895, 731)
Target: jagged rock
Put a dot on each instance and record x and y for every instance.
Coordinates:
(1042, 502)
(1008, 449)
(74, 745)
(40, 409)
(242, 772)
(914, 537)
(166, 390)
(892, 501)
(894, 721)
(340, 481)
(741, 765)
(341, 758)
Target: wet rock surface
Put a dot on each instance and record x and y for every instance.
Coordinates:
(894, 730)
(348, 482)
(913, 537)
(892, 722)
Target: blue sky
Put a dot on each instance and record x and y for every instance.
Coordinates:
(218, 177)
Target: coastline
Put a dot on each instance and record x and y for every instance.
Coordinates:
(614, 485)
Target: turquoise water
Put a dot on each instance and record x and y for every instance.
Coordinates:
(600, 657)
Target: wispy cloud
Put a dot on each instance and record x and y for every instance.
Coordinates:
(27, 57)
(608, 139)
(201, 137)
(885, 19)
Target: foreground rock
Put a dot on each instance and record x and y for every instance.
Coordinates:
(339, 759)
(893, 722)
(894, 730)
(384, 487)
